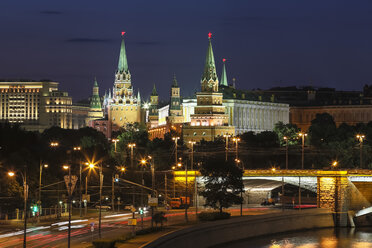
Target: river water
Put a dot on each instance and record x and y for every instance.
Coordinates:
(321, 238)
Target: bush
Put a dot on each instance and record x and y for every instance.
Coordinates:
(212, 216)
(104, 243)
(159, 217)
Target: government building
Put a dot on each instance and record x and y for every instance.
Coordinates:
(35, 106)
(218, 109)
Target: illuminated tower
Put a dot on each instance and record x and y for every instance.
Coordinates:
(175, 111)
(95, 110)
(209, 119)
(224, 75)
(124, 107)
(153, 110)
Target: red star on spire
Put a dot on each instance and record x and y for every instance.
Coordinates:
(122, 33)
(223, 60)
(209, 35)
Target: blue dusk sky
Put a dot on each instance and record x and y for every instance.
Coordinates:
(266, 43)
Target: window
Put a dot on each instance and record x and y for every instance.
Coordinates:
(194, 133)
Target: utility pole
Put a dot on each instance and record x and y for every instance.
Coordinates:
(100, 199)
(86, 195)
(165, 189)
(192, 143)
(113, 193)
(226, 145)
(302, 135)
(361, 137)
(286, 152)
(299, 193)
(186, 206)
(131, 146)
(236, 140)
(39, 200)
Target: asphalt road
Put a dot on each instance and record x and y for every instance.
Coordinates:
(55, 234)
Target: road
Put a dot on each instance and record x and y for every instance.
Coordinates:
(55, 234)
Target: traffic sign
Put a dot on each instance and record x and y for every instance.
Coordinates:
(153, 201)
(132, 222)
(70, 188)
(86, 197)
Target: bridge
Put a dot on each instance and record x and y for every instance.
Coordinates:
(338, 190)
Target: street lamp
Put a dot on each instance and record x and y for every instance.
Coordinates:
(360, 138)
(238, 162)
(286, 152)
(54, 144)
(175, 143)
(115, 141)
(68, 167)
(334, 164)
(186, 193)
(302, 135)
(39, 200)
(25, 196)
(236, 140)
(227, 136)
(92, 166)
(192, 143)
(131, 146)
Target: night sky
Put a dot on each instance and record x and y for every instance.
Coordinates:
(266, 43)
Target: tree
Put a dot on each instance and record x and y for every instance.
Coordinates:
(223, 183)
(287, 130)
(322, 130)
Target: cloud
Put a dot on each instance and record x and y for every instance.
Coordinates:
(51, 12)
(146, 43)
(88, 40)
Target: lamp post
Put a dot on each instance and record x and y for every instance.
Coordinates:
(68, 167)
(39, 199)
(115, 141)
(192, 143)
(78, 148)
(360, 138)
(302, 135)
(334, 164)
(236, 140)
(286, 152)
(241, 189)
(175, 143)
(186, 191)
(143, 163)
(100, 199)
(227, 136)
(131, 146)
(25, 196)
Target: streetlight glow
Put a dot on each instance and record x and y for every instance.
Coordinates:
(335, 163)
(11, 173)
(65, 167)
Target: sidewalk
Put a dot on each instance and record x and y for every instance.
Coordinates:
(141, 240)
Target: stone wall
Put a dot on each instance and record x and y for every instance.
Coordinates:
(225, 231)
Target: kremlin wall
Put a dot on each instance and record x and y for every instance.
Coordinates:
(217, 109)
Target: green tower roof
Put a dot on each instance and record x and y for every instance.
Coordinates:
(210, 67)
(123, 63)
(175, 83)
(95, 101)
(224, 75)
(154, 93)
